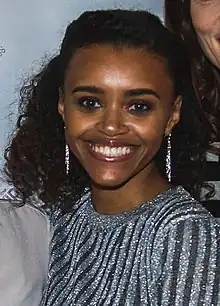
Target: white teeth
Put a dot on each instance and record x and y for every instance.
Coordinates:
(107, 151)
(111, 151)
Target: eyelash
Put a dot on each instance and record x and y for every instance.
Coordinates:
(137, 108)
(82, 103)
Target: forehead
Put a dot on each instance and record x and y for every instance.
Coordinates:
(125, 65)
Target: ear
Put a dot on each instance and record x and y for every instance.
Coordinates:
(175, 116)
(61, 103)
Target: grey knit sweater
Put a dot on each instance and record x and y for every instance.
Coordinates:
(165, 252)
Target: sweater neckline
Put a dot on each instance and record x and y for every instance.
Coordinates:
(105, 221)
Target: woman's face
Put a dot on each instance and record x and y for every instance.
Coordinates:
(117, 104)
(206, 20)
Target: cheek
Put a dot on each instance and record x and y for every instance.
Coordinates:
(198, 24)
(151, 130)
(75, 122)
(202, 19)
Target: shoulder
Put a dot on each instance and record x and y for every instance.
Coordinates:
(27, 216)
(185, 249)
(27, 227)
(60, 218)
(24, 250)
(179, 206)
(182, 217)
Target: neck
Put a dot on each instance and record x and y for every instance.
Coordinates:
(130, 195)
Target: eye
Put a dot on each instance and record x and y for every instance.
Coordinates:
(89, 102)
(139, 108)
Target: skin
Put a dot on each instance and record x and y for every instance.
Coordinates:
(205, 16)
(107, 79)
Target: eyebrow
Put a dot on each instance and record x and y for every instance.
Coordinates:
(89, 89)
(129, 93)
(142, 91)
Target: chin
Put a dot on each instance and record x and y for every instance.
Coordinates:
(112, 184)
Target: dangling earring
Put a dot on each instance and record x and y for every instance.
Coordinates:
(168, 159)
(67, 159)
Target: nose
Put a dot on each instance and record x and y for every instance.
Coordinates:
(112, 123)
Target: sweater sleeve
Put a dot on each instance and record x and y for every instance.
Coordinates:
(187, 272)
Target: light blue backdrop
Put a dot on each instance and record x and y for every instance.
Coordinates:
(29, 30)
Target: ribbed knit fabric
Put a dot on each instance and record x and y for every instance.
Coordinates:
(165, 252)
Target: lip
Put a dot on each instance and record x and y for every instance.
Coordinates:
(112, 143)
(101, 157)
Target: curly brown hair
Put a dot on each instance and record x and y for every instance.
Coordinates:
(205, 76)
(35, 155)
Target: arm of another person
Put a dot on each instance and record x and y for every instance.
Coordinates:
(24, 248)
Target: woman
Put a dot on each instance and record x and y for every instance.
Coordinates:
(198, 23)
(94, 143)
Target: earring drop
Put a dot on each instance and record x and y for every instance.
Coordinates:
(168, 159)
(67, 159)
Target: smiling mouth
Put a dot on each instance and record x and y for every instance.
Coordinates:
(110, 152)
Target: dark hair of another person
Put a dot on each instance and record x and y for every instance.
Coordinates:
(35, 155)
(206, 77)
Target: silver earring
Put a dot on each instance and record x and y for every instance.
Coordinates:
(168, 159)
(67, 159)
